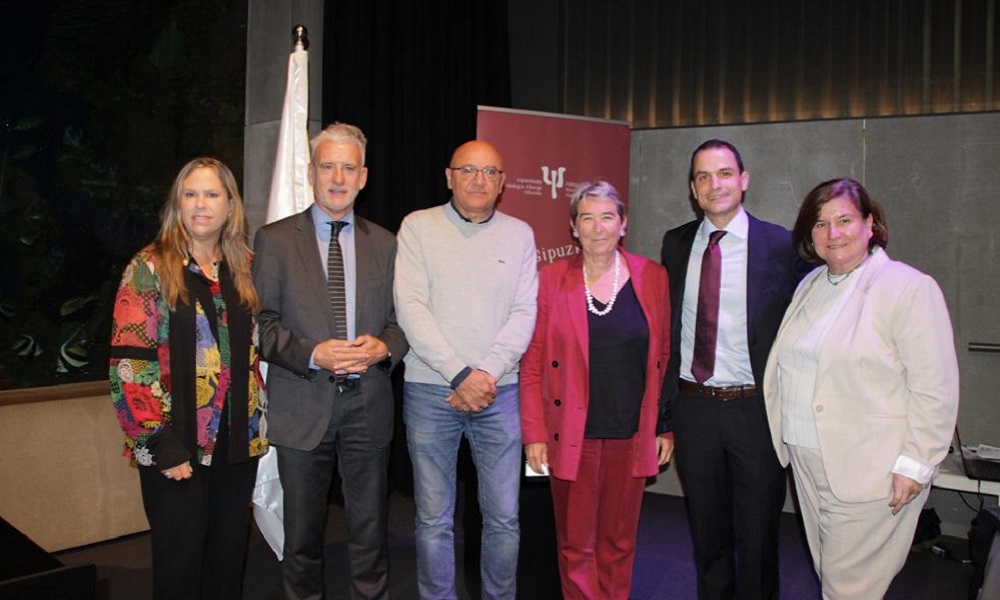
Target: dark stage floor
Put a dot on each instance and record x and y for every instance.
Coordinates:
(664, 564)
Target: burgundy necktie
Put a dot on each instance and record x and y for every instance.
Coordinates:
(706, 329)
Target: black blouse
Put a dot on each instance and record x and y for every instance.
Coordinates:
(619, 346)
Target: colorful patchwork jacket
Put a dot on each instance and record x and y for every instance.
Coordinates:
(172, 372)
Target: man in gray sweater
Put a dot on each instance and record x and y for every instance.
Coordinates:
(465, 289)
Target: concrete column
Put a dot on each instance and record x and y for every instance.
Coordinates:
(269, 42)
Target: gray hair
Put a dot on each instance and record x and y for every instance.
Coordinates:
(340, 133)
(599, 188)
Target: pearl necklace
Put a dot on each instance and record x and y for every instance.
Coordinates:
(614, 288)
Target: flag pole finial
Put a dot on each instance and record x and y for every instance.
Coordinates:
(300, 35)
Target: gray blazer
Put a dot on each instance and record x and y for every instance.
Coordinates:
(296, 316)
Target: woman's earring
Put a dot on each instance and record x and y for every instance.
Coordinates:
(576, 233)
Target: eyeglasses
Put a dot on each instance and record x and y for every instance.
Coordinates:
(469, 172)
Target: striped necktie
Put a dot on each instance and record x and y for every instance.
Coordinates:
(335, 279)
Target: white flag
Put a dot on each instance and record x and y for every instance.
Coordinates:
(268, 502)
(290, 189)
(290, 194)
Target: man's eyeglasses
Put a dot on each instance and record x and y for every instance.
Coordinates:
(469, 172)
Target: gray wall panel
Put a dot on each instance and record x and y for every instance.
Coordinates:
(939, 182)
(938, 179)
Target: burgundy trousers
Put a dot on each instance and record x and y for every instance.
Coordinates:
(597, 517)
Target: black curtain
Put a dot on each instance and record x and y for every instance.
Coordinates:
(410, 75)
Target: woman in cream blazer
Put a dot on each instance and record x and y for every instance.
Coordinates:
(862, 392)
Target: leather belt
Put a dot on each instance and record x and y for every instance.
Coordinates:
(730, 392)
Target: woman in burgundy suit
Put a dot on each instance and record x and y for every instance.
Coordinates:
(590, 392)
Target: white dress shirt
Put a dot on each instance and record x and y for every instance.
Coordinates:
(732, 350)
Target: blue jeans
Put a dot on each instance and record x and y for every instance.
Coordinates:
(433, 433)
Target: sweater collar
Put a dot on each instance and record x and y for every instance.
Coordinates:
(451, 203)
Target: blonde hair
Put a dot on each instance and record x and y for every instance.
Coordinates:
(173, 243)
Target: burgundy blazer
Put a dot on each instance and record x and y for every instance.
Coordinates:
(555, 371)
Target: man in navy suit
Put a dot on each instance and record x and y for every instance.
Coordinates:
(734, 484)
(331, 349)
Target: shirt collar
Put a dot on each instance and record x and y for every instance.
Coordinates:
(739, 227)
(321, 220)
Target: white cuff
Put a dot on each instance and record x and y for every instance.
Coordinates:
(916, 471)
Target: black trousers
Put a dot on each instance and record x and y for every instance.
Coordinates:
(735, 490)
(200, 527)
(305, 480)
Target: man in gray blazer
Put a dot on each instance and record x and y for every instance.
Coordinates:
(330, 394)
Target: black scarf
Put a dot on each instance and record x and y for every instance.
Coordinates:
(183, 374)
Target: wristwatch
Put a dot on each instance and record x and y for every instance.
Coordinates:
(386, 363)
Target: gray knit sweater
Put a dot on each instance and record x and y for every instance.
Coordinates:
(465, 294)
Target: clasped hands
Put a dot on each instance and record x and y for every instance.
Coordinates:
(181, 471)
(349, 357)
(477, 392)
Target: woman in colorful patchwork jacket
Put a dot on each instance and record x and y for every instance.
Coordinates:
(186, 385)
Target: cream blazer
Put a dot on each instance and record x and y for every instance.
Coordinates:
(886, 383)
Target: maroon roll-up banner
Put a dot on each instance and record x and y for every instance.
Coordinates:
(546, 157)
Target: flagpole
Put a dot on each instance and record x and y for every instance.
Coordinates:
(290, 194)
(290, 189)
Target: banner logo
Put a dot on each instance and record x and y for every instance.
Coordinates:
(555, 180)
